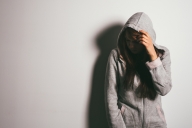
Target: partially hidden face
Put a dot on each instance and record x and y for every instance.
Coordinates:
(132, 41)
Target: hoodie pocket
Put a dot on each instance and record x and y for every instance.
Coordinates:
(160, 113)
(157, 118)
(128, 117)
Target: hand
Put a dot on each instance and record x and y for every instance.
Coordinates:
(146, 40)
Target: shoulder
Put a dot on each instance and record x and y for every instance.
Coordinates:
(114, 54)
(166, 51)
(165, 57)
(164, 48)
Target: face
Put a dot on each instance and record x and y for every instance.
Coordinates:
(132, 41)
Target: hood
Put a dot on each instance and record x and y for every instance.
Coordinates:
(140, 21)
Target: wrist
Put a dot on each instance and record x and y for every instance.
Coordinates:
(153, 57)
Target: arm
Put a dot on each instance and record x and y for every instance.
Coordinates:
(113, 114)
(160, 71)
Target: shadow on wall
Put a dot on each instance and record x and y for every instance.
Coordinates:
(106, 41)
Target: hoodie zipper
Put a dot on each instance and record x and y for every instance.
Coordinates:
(143, 114)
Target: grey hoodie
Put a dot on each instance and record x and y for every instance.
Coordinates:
(123, 108)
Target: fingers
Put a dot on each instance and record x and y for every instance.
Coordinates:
(143, 32)
(143, 39)
(144, 42)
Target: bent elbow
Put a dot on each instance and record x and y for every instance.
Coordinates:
(165, 90)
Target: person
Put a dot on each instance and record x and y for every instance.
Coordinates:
(138, 73)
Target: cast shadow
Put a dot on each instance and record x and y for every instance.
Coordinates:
(106, 40)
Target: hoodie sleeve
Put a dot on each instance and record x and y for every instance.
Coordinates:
(113, 114)
(160, 70)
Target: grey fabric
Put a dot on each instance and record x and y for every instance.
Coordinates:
(123, 108)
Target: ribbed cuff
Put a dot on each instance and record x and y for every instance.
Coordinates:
(153, 64)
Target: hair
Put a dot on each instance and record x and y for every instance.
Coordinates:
(134, 65)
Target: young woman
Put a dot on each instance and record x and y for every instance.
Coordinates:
(138, 73)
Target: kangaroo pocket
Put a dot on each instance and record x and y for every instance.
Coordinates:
(128, 117)
(157, 117)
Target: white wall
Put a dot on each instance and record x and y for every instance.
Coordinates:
(53, 56)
